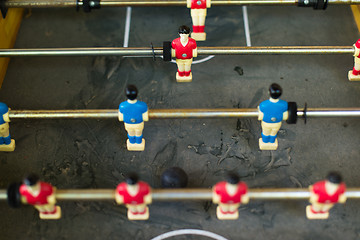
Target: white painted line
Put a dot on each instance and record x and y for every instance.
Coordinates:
(198, 61)
(246, 26)
(189, 232)
(127, 27)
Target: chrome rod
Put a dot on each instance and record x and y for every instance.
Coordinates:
(188, 194)
(177, 113)
(141, 51)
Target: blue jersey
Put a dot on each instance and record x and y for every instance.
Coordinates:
(273, 111)
(133, 112)
(3, 109)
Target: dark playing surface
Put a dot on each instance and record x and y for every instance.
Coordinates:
(92, 153)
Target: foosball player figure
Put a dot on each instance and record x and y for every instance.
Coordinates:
(135, 195)
(324, 195)
(230, 194)
(198, 16)
(6, 143)
(354, 75)
(41, 195)
(271, 113)
(184, 49)
(133, 113)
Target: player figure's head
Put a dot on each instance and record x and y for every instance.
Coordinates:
(132, 179)
(3, 108)
(275, 91)
(334, 177)
(131, 92)
(31, 181)
(184, 30)
(232, 178)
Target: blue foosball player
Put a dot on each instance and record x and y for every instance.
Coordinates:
(271, 113)
(6, 143)
(133, 113)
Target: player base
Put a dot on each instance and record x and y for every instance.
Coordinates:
(311, 215)
(135, 146)
(8, 148)
(226, 216)
(143, 216)
(353, 77)
(56, 215)
(268, 146)
(198, 36)
(183, 79)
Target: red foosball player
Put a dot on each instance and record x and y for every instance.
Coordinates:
(230, 194)
(354, 75)
(41, 195)
(135, 195)
(184, 49)
(324, 195)
(198, 16)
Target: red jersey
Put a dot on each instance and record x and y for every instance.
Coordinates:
(357, 44)
(198, 4)
(183, 52)
(319, 189)
(144, 189)
(46, 190)
(220, 190)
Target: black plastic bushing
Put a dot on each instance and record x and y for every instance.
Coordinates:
(167, 51)
(13, 195)
(292, 110)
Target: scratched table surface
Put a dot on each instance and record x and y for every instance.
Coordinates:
(92, 153)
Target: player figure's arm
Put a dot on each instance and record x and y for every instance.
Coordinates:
(120, 116)
(23, 199)
(148, 199)
(342, 198)
(215, 197)
(313, 197)
(51, 199)
(245, 198)
(208, 3)
(145, 116)
(285, 115)
(194, 52)
(261, 114)
(173, 52)
(357, 51)
(6, 116)
(118, 198)
(188, 3)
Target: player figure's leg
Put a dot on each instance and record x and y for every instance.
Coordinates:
(6, 143)
(138, 133)
(266, 131)
(274, 131)
(187, 65)
(198, 17)
(354, 74)
(195, 20)
(316, 211)
(130, 132)
(135, 141)
(268, 139)
(181, 69)
(184, 70)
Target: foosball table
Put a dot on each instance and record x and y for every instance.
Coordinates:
(132, 120)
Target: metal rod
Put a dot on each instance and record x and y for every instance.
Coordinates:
(141, 51)
(177, 113)
(137, 3)
(187, 194)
